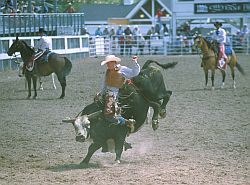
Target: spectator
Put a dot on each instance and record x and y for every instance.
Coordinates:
(164, 29)
(128, 44)
(122, 43)
(119, 31)
(157, 28)
(154, 45)
(159, 14)
(112, 33)
(70, 9)
(128, 31)
(243, 33)
(105, 32)
(136, 33)
(8, 7)
(84, 31)
(98, 31)
(141, 43)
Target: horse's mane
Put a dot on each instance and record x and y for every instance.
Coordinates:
(209, 45)
(27, 46)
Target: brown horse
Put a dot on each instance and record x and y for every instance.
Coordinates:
(209, 61)
(61, 66)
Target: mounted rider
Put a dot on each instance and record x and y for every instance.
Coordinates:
(43, 46)
(115, 77)
(219, 37)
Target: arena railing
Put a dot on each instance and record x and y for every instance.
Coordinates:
(74, 47)
(78, 47)
(28, 24)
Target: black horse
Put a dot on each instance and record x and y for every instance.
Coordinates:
(134, 104)
(61, 66)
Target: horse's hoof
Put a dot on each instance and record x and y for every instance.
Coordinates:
(28, 97)
(61, 97)
(118, 161)
(127, 146)
(212, 88)
(155, 124)
(34, 97)
(163, 113)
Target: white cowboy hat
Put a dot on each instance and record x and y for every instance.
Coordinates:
(110, 58)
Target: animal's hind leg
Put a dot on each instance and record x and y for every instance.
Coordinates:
(233, 76)
(212, 78)
(119, 142)
(155, 121)
(206, 77)
(223, 78)
(28, 78)
(34, 79)
(62, 80)
(91, 150)
(162, 112)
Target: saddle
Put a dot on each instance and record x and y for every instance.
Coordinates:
(41, 56)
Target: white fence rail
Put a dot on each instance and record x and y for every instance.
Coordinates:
(78, 47)
(73, 46)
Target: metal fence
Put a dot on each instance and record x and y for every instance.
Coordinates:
(78, 47)
(28, 24)
(74, 47)
(162, 45)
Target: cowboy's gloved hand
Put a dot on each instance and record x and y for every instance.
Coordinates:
(134, 58)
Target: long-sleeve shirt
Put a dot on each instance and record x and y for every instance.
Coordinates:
(220, 36)
(44, 43)
(126, 72)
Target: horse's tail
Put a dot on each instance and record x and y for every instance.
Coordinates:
(164, 66)
(67, 67)
(241, 70)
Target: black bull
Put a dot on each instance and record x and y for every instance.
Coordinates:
(147, 89)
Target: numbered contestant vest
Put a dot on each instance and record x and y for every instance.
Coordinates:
(114, 78)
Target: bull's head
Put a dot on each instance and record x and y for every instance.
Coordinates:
(81, 125)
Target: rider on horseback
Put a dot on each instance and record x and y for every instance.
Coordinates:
(43, 45)
(115, 77)
(219, 37)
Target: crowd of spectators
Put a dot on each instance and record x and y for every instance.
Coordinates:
(128, 36)
(7, 7)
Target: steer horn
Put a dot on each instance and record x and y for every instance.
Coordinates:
(90, 116)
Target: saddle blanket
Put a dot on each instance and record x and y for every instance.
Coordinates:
(228, 50)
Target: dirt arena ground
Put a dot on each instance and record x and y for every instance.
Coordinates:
(204, 139)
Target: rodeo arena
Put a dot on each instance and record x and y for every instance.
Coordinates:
(139, 92)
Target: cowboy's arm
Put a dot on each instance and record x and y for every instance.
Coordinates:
(130, 72)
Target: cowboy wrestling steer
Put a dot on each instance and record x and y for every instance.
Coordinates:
(134, 103)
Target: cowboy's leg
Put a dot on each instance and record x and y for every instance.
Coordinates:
(221, 57)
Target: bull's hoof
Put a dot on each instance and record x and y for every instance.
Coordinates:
(83, 164)
(155, 124)
(80, 138)
(118, 161)
(163, 113)
(61, 97)
(127, 146)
